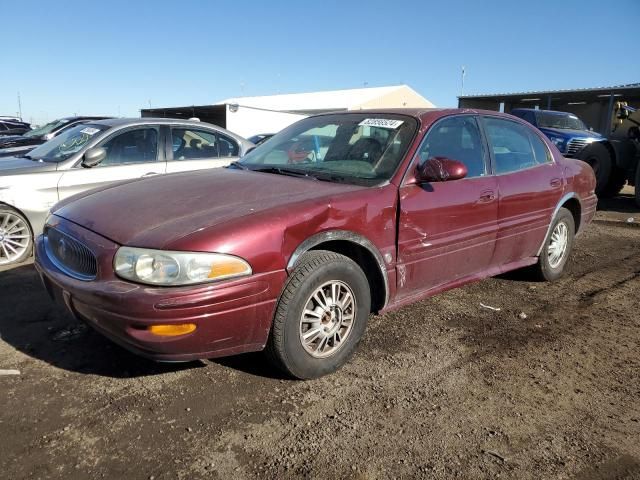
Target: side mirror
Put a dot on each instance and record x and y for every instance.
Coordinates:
(93, 157)
(441, 169)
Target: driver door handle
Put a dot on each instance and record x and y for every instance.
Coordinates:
(487, 196)
(150, 174)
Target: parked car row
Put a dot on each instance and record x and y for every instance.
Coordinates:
(12, 126)
(292, 245)
(94, 154)
(23, 144)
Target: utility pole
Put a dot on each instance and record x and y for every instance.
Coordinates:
(19, 107)
(462, 86)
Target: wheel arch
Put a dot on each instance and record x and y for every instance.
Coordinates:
(571, 202)
(17, 210)
(359, 249)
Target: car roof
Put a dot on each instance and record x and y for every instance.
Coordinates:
(117, 122)
(541, 110)
(424, 114)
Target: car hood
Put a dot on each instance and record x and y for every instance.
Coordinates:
(566, 133)
(21, 166)
(153, 212)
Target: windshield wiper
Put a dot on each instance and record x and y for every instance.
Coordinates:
(285, 171)
(237, 164)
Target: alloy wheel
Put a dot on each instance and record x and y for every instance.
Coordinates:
(558, 244)
(327, 319)
(15, 237)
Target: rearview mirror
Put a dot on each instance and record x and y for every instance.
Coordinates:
(93, 157)
(48, 136)
(441, 169)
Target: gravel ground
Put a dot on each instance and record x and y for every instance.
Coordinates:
(547, 387)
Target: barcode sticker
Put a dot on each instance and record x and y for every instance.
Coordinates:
(381, 122)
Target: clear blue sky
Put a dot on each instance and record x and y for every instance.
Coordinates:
(114, 57)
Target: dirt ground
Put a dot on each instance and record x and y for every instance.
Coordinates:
(546, 388)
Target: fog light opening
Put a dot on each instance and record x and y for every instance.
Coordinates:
(171, 330)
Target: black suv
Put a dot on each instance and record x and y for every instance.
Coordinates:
(21, 145)
(13, 126)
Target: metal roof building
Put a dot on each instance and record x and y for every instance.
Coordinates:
(248, 116)
(593, 105)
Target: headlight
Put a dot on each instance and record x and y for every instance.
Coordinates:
(160, 267)
(558, 141)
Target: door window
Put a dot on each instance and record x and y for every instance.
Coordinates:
(457, 138)
(133, 146)
(227, 146)
(511, 145)
(192, 144)
(540, 149)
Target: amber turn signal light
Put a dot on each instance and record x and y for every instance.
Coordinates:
(172, 330)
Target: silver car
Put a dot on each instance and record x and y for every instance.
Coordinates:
(95, 154)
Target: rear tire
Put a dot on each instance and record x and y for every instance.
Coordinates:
(321, 315)
(16, 237)
(616, 183)
(599, 158)
(556, 248)
(637, 186)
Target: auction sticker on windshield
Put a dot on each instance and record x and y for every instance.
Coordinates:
(381, 122)
(89, 130)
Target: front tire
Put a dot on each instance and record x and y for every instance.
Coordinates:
(16, 238)
(599, 158)
(557, 247)
(321, 315)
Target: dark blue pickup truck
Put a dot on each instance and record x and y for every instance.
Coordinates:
(574, 139)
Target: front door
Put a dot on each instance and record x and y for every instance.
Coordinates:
(131, 154)
(447, 230)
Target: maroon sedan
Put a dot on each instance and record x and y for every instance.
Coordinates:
(386, 208)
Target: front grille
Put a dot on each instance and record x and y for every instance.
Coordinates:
(575, 145)
(69, 255)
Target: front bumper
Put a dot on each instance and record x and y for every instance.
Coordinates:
(231, 317)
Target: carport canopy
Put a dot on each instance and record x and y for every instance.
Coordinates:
(215, 114)
(593, 105)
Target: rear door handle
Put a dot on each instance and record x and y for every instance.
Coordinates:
(487, 197)
(555, 182)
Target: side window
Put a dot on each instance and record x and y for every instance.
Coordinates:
(133, 146)
(540, 150)
(191, 144)
(457, 138)
(510, 145)
(227, 146)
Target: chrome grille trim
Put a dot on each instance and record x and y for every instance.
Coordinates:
(575, 145)
(70, 255)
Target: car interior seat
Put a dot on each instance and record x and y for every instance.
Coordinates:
(365, 149)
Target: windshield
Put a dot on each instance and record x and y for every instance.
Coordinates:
(362, 148)
(565, 121)
(48, 128)
(66, 144)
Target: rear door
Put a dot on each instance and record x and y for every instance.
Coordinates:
(447, 229)
(132, 153)
(530, 185)
(199, 148)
